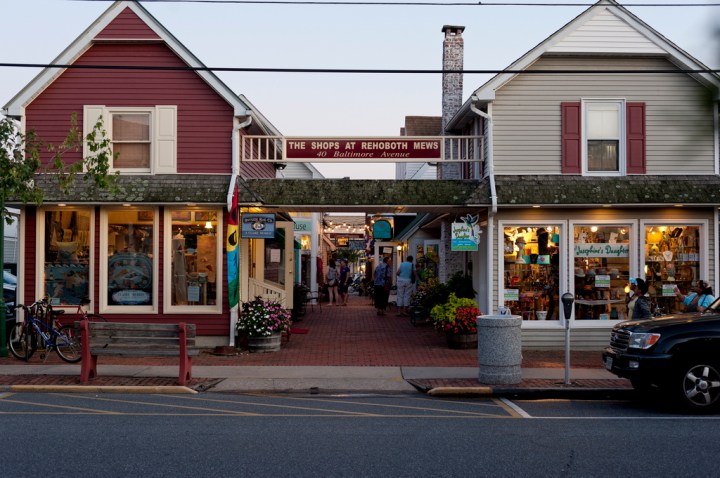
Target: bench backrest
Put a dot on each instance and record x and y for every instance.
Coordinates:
(139, 334)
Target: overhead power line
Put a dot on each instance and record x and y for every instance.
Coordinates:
(425, 4)
(346, 70)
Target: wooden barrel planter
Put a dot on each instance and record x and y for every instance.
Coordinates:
(461, 341)
(270, 343)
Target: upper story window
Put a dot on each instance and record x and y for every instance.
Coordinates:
(604, 152)
(603, 137)
(144, 138)
(131, 140)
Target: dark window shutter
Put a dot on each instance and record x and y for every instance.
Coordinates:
(571, 138)
(635, 126)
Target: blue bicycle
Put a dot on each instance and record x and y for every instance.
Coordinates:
(41, 330)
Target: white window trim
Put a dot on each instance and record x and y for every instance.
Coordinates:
(167, 269)
(103, 282)
(109, 112)
(632, 226)
(622, 155)
(40, 255)
(163, 135)
(562, 267)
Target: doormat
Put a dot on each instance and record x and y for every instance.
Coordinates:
(297, 330)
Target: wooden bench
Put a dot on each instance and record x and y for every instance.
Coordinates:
(136, 339)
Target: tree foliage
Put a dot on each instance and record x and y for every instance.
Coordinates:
(20, 162)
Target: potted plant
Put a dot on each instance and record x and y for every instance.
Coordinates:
(458, 319)
(418, 304)
(263, 322)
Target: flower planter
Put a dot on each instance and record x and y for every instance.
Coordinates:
(418, 315)
(270, 343)
(461, 341)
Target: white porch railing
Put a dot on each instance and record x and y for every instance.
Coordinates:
(266, 290)
(467, 149)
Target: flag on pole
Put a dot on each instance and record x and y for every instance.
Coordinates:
(232, 252)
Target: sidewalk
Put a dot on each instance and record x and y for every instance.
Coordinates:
(334, 350)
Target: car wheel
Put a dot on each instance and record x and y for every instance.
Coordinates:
(699, 385)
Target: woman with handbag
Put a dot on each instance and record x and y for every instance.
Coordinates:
(332, 283)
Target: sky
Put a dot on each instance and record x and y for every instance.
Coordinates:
(338, 36)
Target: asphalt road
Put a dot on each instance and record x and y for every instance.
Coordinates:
(303, 436)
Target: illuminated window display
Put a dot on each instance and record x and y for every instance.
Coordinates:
(672, 258)
(601, 267)
(194, 257)
(531, 261)
(130, 236)
(67, 256)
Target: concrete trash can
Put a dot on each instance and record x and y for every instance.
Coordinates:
(499, 349)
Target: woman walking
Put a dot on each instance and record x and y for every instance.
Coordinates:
(405, 274)
(382, 281)
(332, 283)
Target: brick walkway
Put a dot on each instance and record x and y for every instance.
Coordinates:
(337, 336)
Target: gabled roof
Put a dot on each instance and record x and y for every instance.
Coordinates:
(637, 38)
(97, 32)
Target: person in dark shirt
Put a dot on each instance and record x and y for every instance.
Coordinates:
(642, 308)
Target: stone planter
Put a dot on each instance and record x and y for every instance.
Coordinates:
(461, 341)
(270, 343)
(499, 349)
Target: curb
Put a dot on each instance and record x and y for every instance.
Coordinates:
(97, 389)
(536, 393)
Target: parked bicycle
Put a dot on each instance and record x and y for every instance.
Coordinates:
(40, 329)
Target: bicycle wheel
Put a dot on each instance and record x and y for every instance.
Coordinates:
(67, 344)
(20, 342)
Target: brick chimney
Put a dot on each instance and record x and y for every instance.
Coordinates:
(452, 88)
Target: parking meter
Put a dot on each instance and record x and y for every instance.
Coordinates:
(567, 301)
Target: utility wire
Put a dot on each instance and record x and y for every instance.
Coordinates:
(422, 4)
(349, 70)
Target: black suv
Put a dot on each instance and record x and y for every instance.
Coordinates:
(679, 354)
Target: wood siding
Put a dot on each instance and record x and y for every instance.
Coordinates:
(605, 33)
(127, 25)
(204, 123)
(527, 126)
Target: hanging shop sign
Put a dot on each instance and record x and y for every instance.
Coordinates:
(601, 250)
(356, 244)
(258, 226)
(466, 234)
(342, 241)
(302, 225)
(366, 149)
(382, 229)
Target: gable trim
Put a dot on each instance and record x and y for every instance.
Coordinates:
(16, 106)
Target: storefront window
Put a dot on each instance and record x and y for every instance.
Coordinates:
(672, 258)
(601, 267)
(67, 256)
(194, 257)
(130, 241)
(531, 282)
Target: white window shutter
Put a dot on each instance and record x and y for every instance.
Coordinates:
(91, 114)
(166, 140)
